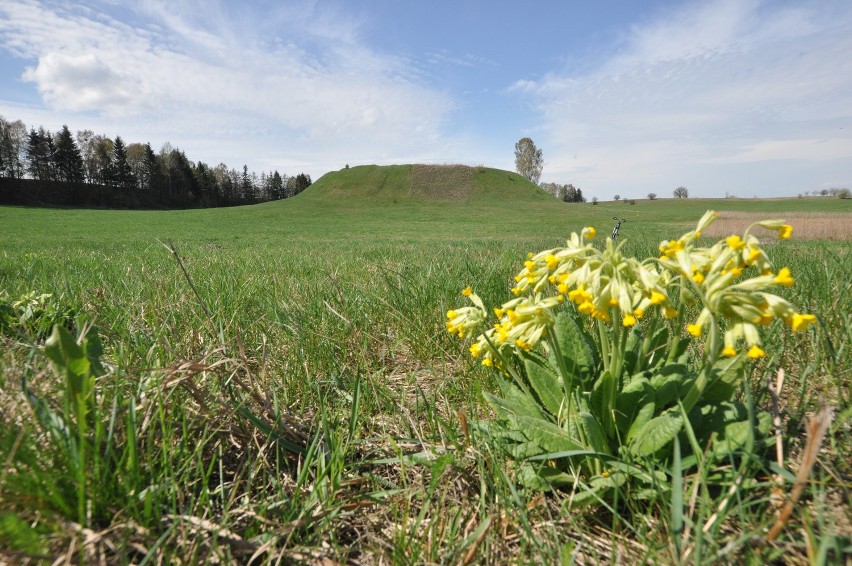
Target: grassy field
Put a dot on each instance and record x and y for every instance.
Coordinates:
(293, 395)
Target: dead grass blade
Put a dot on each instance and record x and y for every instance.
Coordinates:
(817, 428)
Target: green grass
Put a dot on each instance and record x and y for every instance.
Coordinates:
(321, 410)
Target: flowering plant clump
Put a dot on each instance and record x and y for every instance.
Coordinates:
(596, 348)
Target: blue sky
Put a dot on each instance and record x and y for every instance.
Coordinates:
(745, 97)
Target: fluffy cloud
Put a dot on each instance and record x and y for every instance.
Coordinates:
(725, 82)
(294, 82)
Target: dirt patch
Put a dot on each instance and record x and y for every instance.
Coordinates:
(442, 182)
(806, 225)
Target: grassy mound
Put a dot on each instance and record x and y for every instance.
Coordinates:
(442, 183)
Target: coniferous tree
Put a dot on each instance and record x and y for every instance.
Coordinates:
(246, 185)
(277, 186)
(122, 176)
(39, 155)
(69, 161)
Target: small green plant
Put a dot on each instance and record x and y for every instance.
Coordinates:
(601, 379)
(33, 314)
(79, 440)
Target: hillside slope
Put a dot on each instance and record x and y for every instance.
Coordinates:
(442, 183)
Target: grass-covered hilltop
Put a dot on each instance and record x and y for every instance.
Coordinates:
(277, 383)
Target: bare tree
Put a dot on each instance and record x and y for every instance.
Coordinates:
(681, 192)
(652, 196)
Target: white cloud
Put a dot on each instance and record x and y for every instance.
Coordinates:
(267, 88)
(723, 82)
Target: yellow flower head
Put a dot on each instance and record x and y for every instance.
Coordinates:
(735, 242)
(628, 320)
(755, 352)
(467, 292)
(589, 232)
(657, 298)
(729, 352)
(785, 232)
(783, 277)
(799, 322)
(694, 329)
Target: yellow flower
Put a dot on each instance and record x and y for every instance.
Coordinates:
(657, 298)
(552, 262)
(562, 288)
(694, 329)
(638, 312)
(800, 322)
(589, 232)
(734, 242)
(785, 232)
(669, 312)
(729, 352)
(487, 362)
(467, 291)
(475, 349)
(628, 320)
(755, 352)
(783, 277)
(698, 277)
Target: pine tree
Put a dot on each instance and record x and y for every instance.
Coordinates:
(122, 175)
(68, 160)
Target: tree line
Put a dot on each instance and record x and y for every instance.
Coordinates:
(41, 167)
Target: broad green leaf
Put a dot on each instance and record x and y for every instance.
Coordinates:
(576, 348)
(547, 435)
(543, 476)
(725, 379)
(602, 402)
(656, 433)
(593, 432)
(632, 348)
(546, 385)
(514, 402)
(669, 382)
(68, 358)
(636, 393)
(644, 413)
(655, 353)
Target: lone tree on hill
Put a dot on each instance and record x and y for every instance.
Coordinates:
(652, 196)
(681, 192)
(528, 159)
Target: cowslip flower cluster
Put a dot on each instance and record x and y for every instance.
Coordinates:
(728, 281)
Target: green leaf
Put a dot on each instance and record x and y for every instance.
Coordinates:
(632, 348)
(514, 402)
(634, 399)
(548, 436)
(725, 379)
(546, 385)
(543, 476)
(669, 383)
(576, 348)
(593, 432)
(656, 433)
(602, 402)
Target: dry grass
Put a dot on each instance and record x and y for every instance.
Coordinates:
(806, 225)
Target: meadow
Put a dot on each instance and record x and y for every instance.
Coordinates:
(278, 386)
